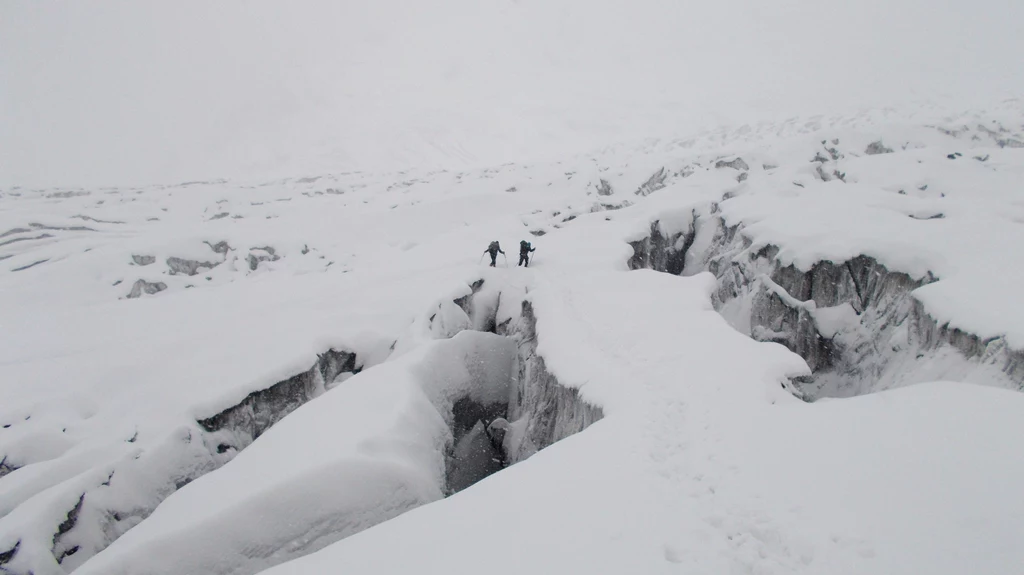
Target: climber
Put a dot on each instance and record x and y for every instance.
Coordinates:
(524, 253)
(494, 249)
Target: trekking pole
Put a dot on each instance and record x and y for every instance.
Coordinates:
(481, 258)
(506, 259)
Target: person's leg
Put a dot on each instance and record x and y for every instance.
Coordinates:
(494, 259)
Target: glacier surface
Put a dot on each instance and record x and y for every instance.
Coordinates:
(772, 324)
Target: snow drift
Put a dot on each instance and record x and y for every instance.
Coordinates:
(390, 439)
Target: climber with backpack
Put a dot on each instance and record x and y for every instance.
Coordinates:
(494, 249)
(524, 253)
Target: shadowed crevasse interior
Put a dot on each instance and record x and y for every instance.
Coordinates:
(856, 323)
(539, 411)
(489, 431)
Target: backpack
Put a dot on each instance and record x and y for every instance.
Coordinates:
(493, 247)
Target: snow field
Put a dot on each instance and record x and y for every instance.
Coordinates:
(708, 463)
(371, 449)
(704, 458)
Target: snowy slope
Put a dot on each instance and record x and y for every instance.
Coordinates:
(128, 415)
(706, 464)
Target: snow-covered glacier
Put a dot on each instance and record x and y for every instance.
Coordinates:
(772, 325)
(786, 349)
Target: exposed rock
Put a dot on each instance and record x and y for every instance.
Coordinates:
(143, 260)
(953, 132)
(653, 184)
(189, 267)
(875, 148)
(237, 426)
(6, 556)
(92, 219)
(603, 206)
(604, 188)
(736, 164)
(264, 254)
(68, 194)
(144, 287)
(60, 549)
(5, 467)
(1001, 140)
(39, 226)
(662, 253)
(14, 231)
(220, 247)
(466, 302)
(15, 240)
(200, 183)
(31, 265)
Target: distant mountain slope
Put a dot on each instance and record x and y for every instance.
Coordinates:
(129, 93)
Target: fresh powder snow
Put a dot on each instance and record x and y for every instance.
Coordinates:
(772, 323)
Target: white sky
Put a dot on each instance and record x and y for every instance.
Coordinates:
(124, 92)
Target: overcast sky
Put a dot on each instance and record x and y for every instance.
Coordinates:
(130, 92)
